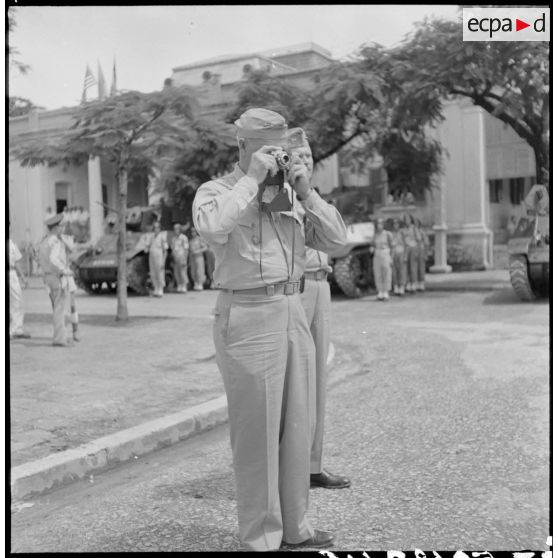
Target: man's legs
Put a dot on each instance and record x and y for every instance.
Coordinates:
(264, 354)
(58, 299)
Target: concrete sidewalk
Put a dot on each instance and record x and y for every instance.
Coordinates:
(127, 389)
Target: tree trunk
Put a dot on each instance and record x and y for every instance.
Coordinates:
(122, 274)
(540, 147)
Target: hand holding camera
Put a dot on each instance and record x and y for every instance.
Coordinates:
(299, 179)
(263, 162)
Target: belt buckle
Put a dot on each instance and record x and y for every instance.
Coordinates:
(290, 288)
(270, 290)
(321, 275)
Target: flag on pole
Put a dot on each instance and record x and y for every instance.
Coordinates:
(88, 82)
(101, 86)
(113, 88)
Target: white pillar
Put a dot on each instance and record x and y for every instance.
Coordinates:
(440, 230)
(95, 198)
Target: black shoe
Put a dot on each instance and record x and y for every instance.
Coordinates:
(23, 335)
(327, 480)
(320, 539)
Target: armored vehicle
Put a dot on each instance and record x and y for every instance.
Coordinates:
(352, 265)
(96, 269)
(529, 248)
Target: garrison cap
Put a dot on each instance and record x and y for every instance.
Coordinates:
(260, 123)
(296, 137)
(54, 220)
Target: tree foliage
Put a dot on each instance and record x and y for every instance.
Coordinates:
(19, 106)
(13, 52)
(508, 79)
(130, 130)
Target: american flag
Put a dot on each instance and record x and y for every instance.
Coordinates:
(88, 82)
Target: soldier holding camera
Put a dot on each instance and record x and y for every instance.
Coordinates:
(258, 228)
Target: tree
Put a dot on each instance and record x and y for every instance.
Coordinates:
(357, 109)
(19, 106)
(130, 130)
(13, 53)
(508, 79)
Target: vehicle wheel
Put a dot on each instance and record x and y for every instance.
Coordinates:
(519, 276)
(138, 274)
(353, 273)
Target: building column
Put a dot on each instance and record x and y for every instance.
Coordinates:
(95, 198)
(476, 227)
(440, 232)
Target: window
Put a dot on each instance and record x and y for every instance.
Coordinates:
(496, 190)
(517, 190)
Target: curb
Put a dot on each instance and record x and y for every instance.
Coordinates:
(59, 469)
(36, 477)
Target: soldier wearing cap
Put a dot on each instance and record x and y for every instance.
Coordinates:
(54, 263)
(263, 343)
(316, 300)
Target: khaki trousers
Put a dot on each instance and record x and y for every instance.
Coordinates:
(266, 357)
(16, 305)
(382, 271)
(58, 296)
(399, 271)
(412, 267)
(157, 270)
(316, 300)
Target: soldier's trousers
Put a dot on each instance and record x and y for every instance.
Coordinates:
(16, 305)
(382, 270)
(58, 297)
(421, 264)
(412, 265)
(181, 271)
(157, 271)
(198, 269)
(316, 300)
(399, 264)
(266, 357)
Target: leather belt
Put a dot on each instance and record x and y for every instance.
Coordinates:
(286, 288)
(320, 275)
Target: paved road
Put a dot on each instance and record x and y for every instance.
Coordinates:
(441, 421)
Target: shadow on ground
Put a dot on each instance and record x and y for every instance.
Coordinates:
(101, 320)
(508, 296)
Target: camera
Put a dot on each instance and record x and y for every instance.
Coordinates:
(283, 160)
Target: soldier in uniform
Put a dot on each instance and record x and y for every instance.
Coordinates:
(411, 242)
(179, 248)
(16, 294)
(54, 263)
(157, 249)
(316, 299)
(399, 259)
(264, 347)
(198, 247)
(423, 243)
(382, 246)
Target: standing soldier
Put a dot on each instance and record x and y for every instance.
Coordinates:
(411, 241)
(316, 300)
(157, 249)
(16, 294)
(179, 248)
(264, 347)
(54, 263)
(382, 247)
(399, 259)
(72, 287)
(197, 248)
(423, 243)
